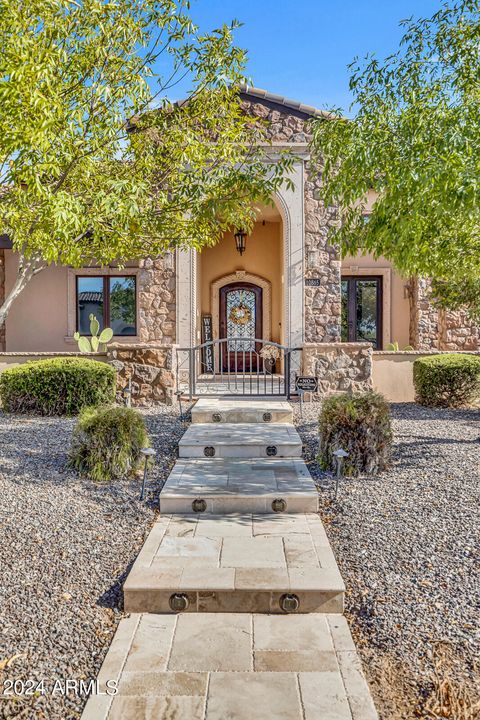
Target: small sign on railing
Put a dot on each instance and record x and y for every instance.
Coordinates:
(306, 383)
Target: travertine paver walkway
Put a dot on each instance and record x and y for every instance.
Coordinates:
(232, 485)
(259, 634)
(236, 563)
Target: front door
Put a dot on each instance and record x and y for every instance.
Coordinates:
(362, 310)
(241, 318)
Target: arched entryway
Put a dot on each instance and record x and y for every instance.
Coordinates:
(274, 251)
(255, 282)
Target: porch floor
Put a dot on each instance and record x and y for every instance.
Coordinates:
(237, 384)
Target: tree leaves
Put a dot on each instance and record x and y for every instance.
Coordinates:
(91, 170)
(415, 141)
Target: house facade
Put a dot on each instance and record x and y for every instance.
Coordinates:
(288, 286)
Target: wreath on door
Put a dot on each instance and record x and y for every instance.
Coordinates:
(240, 314)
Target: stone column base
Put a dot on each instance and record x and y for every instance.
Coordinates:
(147, 370)
(339, 367)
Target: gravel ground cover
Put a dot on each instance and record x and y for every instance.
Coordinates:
(407, 543)
(65, 547)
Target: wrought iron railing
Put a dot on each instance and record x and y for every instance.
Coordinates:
(236, 366)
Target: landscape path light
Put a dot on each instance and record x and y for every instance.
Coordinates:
(127, 393)
(179, 394)
(147, 453)
(340, 456)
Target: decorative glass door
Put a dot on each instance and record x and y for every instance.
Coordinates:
(241, 318)
(362, 310)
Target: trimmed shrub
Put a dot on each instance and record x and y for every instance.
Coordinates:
(58, 386)
(361, 425)
(106, 443)
(447, 380)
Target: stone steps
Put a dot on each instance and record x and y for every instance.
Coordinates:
(240, 440)
(235, 563)
(236, 485)
(216, 410)
(237, 666)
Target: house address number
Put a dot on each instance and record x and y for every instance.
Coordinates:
(312, 282)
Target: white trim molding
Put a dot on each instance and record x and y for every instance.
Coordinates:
(290, 203)
(242, 276)
(186, 297)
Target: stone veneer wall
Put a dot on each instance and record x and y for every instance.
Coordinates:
(457, 332)
(323, 303)
(424, 322)
(156, 301)
(149, 369)
(2, 296)
(339, 367)
(433, 329)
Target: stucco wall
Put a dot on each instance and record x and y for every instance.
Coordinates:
(263, 257)
(2, 295)
(12, 359)
(38, 318)
(392, 374)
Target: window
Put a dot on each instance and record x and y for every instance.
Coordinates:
(362, 310)
(112, 299)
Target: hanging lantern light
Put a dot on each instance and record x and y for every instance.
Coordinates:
(240, 241)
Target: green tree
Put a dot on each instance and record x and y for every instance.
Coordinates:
(414, 140)
(90, 170)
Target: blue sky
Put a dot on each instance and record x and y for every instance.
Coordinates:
(301, 48)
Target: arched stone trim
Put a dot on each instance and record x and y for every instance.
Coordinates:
(242, 276)
(290, 204)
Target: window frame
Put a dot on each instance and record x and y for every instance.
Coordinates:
(106, 301)
(352, 307)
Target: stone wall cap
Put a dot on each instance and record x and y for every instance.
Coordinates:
(257, 93)
(339, 345)
(139, 346)
(34, 353)
(408, 353)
